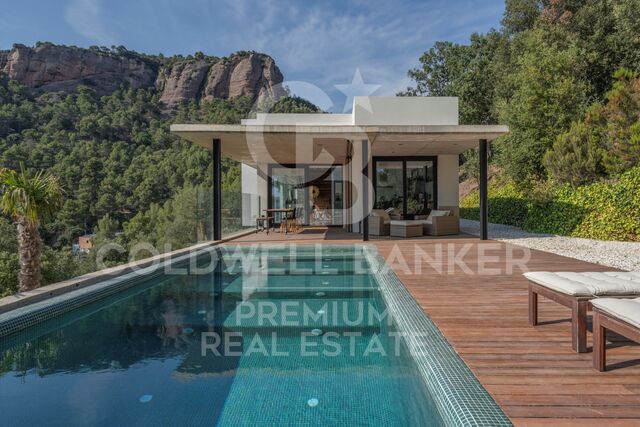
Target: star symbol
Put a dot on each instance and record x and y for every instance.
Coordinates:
(357, 87)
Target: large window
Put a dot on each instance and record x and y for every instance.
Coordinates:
(388, 180)
(325, 194)
(419, 185)
(407, 186)
(316, 189)
(287, 189)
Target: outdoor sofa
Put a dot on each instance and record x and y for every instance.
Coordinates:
(441, 223)
(379, 222)
(576, 291)
(620, 316)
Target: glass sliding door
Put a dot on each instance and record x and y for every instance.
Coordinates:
(325, 194)
(405, 187)
(419, 184)
(287, 189)
(388, 186)
(316, 189)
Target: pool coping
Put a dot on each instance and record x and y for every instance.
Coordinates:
(37, 312)
(22, 299)
(459, 396)
(37, 306)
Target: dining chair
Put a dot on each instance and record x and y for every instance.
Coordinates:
(264, 222)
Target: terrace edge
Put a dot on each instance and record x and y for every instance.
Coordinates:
(459, 396)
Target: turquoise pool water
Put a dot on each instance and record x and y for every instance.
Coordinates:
(267, 338)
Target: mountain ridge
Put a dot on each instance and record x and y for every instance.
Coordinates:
(47, 67)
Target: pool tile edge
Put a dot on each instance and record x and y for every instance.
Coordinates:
(458, 394)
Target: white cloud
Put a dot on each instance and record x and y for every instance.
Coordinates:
(326, 44)
(322, 43)
(86, 18)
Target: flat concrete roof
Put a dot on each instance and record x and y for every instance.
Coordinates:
(286, 143)
(487, 131)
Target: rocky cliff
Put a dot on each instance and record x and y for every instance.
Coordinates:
(251, 74)
(4, 55)
(52, 68)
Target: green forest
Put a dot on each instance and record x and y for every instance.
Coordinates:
(563, 75)
(123, 174)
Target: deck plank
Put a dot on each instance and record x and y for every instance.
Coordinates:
(531, 372)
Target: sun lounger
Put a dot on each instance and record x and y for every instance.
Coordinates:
(620, 316)
(576, 290)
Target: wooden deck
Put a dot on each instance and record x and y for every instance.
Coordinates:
(531, 372)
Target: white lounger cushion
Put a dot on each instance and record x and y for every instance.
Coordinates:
(590, 284)
(627, 310)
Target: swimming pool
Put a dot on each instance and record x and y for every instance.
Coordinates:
(284, 335)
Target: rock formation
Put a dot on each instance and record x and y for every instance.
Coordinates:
(182, 82)
(252, 75)
(52, 68)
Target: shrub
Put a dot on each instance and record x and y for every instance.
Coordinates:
(9, 268)
(607, 210)
(507, 205)
(576, 156)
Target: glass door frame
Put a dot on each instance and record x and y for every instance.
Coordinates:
(404, 160)
(305, 167)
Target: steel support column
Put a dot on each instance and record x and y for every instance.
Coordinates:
(217, 190)
(484, 210)
(365, 190)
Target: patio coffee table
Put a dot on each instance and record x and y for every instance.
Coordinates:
(406, 228)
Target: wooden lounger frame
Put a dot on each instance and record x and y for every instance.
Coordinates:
(579, 307)
(602, 322)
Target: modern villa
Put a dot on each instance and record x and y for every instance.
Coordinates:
(398, 156)
(345, 292)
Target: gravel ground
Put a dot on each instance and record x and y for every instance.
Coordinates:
(622, 255)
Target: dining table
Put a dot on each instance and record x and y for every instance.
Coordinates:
(281, 211)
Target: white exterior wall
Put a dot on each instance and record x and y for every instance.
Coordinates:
(300, 119)
(400, 111)
(254, 194)
(375, 110)
(448, 172)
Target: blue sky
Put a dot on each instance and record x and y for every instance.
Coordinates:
(316, 44)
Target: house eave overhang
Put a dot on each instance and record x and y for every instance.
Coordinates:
(250, 143)
(475, 132)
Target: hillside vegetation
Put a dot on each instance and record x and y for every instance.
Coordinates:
(605, 210)
(124, 175)
(563, 75)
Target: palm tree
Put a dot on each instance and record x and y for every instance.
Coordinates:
(28, 201)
